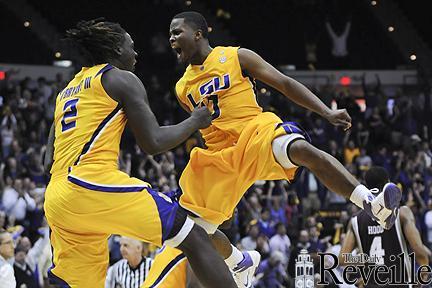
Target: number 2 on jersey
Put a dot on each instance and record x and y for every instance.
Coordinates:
(70, 111)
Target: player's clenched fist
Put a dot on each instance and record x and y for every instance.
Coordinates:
(202, 117)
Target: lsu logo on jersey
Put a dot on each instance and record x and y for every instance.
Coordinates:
(207, 94)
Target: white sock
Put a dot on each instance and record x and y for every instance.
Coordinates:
(360, 194)
(235, 258)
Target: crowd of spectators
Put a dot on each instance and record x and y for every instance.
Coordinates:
(275, 217)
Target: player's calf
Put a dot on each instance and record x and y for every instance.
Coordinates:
(337, 179)
(205, 261)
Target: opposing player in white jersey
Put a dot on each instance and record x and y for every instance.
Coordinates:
(370, 238)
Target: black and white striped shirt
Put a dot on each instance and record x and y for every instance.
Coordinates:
(121, 275)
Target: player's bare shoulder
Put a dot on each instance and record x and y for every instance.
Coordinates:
(245, 57)
(405, 214)
(120, 83)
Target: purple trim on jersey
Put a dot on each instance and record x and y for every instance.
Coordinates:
(167, 269)
(166, 207)
(104, 69)
(293, 127)
(167, 212)
(53, 279)
(87, 146)
(244, 264)
(96, 187)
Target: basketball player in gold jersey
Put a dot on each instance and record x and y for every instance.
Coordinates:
(244, 144)
(88, 197)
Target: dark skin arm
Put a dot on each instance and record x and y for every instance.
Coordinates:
(201, 142)
(259, 69)
(49, 152)
(348, 245)
(412, 235)
(128, 90)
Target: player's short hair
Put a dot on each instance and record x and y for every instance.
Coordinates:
(377, 177)
(97, 39)
(195, 20)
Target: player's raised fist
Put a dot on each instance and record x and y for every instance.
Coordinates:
(339, 117)
(202, 117)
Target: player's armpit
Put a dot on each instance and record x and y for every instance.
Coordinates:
(183, 105)
(258, 68)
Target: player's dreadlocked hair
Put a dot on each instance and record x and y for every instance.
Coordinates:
(97, 39)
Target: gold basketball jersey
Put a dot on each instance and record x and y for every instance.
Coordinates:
(88, 123)
(220, 85)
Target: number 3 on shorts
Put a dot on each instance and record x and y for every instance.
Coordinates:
(70, 111)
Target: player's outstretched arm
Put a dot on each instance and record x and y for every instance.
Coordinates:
(49, 152)
(128, 90)
(258, 68)
(413, 236)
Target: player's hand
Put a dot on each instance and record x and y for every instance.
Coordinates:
(340, 118)
(202, 117)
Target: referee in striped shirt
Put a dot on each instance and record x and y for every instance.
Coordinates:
(132, 270)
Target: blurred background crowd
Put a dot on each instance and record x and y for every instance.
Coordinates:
(274, 215)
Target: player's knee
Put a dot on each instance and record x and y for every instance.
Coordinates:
(210, 228)
(281, 145)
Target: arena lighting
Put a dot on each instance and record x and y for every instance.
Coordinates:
(390, 29)
(413, 57)
(345, 80)
(57, 54)
(26, 24)
(210, 29)
(62, 63)
(188, 3)
(263, 90)
(2, 75)
(373, 3)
